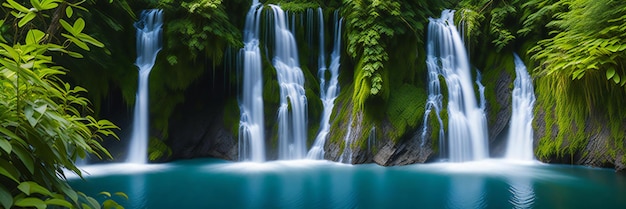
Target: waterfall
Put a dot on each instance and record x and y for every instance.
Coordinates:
(251, 125)
(434, 101)
(328, 91)
(520, 140)
(292, 112)
(346, 156)
(467, 124)
(148, 45)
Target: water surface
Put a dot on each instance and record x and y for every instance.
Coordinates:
(211, 183)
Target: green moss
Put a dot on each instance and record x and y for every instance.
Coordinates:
(294, 5)
(565, 116)
(405, 109)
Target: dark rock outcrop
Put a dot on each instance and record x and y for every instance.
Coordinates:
(499, 117)
(197, 127)
(408, 151)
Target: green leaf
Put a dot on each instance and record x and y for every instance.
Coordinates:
(31, 202)
(2, 38)
(79, 25)
(7, 169)
(78, 43)
(30, 187)
(67, 26)
(49, 4)
(89, 39)
(69, 11)
(616, 78)
(613, 48)
(18, 6)
(5, 145)
(29, 113)
(12, 135)
(59, 202)
(74, 54)
(25, 158)
(108, 194)
(12, 52)
(6, 199)
(121, 194)
(30, 16)
(36, 4)
(34, 36)
(610, 73)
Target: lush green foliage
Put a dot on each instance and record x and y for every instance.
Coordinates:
(577, 53)
(581, 67)
(45, 123)
(369, 25)
(498, 18)
(372, 26)
(205, 30)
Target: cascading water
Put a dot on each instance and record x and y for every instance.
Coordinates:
(292, 112)
(251, 125)
(148, 45)
(434, 101)
(328, 91)
(467, 126)
(346, 156)
(520, 140)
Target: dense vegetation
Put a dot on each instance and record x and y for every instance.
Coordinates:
(46, 123)
(49, 48)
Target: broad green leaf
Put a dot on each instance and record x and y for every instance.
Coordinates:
(610, 73)
(79, 25)
(12, 52)
(27, 65)
(59, 202)
(49, 4)
(616, 78)
(2, 38)
(31, 202)
(36, 4)
(89, 39)
(85, 206)
(34, 36)
(111, 204)
(6, 199)
(69, 11)
(74, 54)
(78, 43)
(18, 6)
(121, 194)
(29, 113)
(12, 135)
(108, 194)
(70, 193)
(30, 16)
(613, 48)
(8, 174)
(30, 187)
(67, 26)
(93, 202)
(25, 158)
(5, 145)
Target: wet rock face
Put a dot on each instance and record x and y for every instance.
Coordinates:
(201, 134)
(196, 127)
(408, 151)
(498, 129)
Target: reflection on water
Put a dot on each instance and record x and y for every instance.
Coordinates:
(522, 193)
(209, 183)
(137, 186)
(467, 192)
